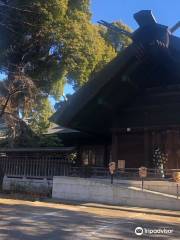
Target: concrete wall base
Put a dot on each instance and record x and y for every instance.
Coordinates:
(90, 190)
(24, 184)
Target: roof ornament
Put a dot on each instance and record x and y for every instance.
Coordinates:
(145, 18)
(115, 28)
(149, 37)
(175, 27)
(149, 31)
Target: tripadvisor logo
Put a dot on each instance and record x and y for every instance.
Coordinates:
(140, 231)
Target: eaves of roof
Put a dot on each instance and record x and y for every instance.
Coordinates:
(85, 94)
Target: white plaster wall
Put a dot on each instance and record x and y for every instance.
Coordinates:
(79, 189)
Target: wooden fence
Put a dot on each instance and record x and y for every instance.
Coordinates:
(36, 162)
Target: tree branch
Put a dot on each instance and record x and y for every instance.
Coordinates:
(8, 99)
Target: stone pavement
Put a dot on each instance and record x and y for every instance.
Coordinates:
(61, 221)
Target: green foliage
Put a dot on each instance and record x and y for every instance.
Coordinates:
(39, 118)
(85, 50)
(118, 41)
(32, 140)
(52, 42)
(80, 5)
(29, 36)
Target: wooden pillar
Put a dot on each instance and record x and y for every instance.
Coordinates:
(177, 148)
(172, 138)
(147, 148)
(159, 140)
(115, 146)
(79, 157)
(106, 160)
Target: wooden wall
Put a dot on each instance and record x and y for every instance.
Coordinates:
(137, 148)
(128, 147)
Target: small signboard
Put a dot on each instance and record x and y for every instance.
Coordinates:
(112, 167)
(121, 164)
(176, 176)
(143, 172)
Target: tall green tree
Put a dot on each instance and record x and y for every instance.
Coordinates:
(40, 114)
(45, 44)
(51, 41)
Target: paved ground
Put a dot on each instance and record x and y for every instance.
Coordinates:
(40, 221)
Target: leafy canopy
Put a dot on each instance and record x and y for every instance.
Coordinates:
(50, 43)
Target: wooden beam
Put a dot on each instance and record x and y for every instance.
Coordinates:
(172, 138)
(147, 148)
(115, 147)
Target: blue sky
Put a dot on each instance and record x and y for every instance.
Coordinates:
(166, 12)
